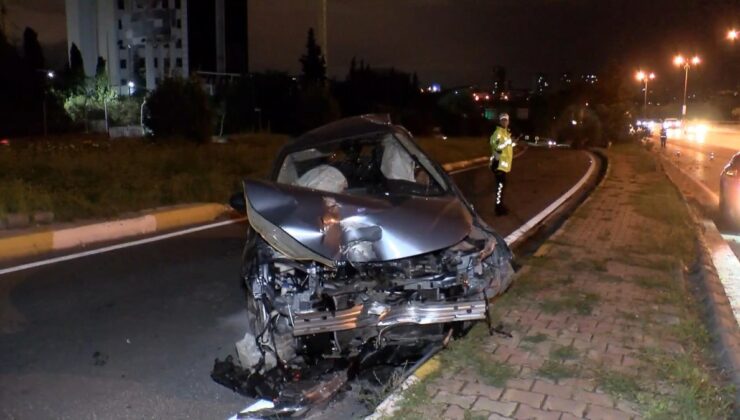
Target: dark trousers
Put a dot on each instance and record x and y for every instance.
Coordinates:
(500, 187)
(662, 142)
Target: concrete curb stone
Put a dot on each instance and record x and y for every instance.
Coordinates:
(37, 242)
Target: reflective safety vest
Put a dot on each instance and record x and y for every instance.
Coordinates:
(502, 148)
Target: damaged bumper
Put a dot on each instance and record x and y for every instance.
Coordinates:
(383, 317)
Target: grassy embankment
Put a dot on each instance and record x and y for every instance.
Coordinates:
(93, 177)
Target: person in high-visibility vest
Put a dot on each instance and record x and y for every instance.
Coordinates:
(502, 155)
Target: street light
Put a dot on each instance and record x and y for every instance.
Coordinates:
(680, 61)
(732, 34)
(130, 88)
(641, 76)
(49, 76)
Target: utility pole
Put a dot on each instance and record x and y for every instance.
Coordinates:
(220, 36)
(324, 35)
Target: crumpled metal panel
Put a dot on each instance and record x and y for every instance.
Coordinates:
(408, 313)
(342, 227)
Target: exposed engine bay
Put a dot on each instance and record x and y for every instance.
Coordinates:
(302, 307)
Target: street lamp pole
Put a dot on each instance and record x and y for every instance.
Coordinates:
(685, 89)
(680, 61)
(645, 77)
(49, 76)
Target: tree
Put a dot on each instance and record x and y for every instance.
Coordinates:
(76, 65)
(316, 107)
(352, 69)
(100, 68)
(32, 52)
(21, 93)
(313, 63)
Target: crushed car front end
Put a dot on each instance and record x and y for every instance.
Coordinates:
(361, 244)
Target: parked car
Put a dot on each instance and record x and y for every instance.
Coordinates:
(359, 241)
(729, 192)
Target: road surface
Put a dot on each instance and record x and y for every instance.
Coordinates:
(704, 162)
(133, 333)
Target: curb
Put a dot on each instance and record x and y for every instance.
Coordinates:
(715, 258)
(39, 242)
(718, 308)
(599, 185)
(392, 402)
(53, 240)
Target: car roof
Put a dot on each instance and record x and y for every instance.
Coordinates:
(346, 128)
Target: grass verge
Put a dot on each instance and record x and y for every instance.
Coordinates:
(582, 303)
(555, 370)
(468, 353)
(88, 176)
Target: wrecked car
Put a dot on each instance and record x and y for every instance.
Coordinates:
(360, 241)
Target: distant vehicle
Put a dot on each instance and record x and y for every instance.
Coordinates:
(697, 131)
(647, 125)
(438, 134)
(729, 192)
(673, 127)
(669, 123)
(538, 141)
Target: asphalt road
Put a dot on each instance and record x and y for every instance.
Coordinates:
(697, 160)
(133, 333)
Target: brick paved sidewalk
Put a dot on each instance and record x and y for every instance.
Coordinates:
(603, 323)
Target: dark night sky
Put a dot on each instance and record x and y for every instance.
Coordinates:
(459, 41)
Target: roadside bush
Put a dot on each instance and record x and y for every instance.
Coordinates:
(124, 111)
(180, 108)
(587, 130)
(88, 102)
(316, 107)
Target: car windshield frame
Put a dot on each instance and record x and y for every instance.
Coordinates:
(437, 184)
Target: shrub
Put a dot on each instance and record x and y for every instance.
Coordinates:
(180, 108)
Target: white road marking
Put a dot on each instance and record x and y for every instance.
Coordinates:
(731, 238)
(523, 229)
(116, 247)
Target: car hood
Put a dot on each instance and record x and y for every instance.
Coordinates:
(304, 223)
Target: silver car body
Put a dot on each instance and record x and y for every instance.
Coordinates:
(360, 241)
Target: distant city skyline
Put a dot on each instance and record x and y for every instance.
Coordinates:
(461, 41)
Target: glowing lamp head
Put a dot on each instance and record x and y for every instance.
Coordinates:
(131, 85)
(732, 34)
(50, 75)
(652, 76)
(640, 75)
(679, 60)
(696, 60)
